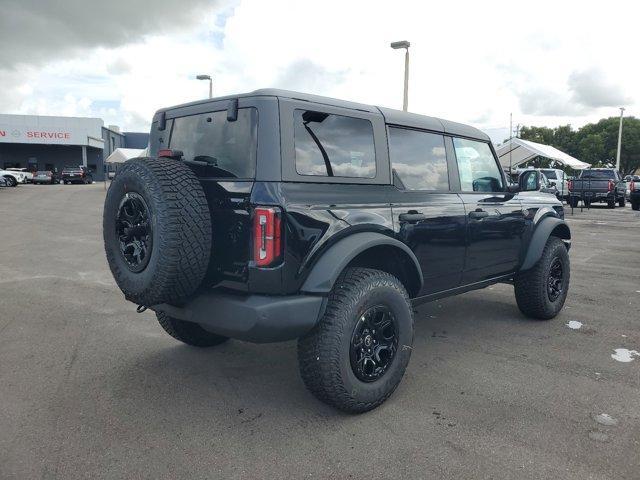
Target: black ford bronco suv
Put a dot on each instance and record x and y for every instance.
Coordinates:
(277, 215)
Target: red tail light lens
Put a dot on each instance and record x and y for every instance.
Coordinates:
(170, 153)
(611, 185)
(267, 244)
(570, 184)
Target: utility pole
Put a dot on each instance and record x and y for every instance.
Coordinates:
(510, 137)
(207, 77)
(619, 140)
(404, 44)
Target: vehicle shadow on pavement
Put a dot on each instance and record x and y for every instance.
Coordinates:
(247, 381)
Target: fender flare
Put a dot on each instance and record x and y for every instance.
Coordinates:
(325, 272)
(539, 239)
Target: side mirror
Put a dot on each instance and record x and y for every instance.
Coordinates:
(525, 181)
(513, 188)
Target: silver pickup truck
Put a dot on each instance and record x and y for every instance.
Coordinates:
(598, 185)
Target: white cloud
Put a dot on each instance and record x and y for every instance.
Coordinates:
(471, 61)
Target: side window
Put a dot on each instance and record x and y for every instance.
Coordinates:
(419, 159)
(478, 168)
(333, 145)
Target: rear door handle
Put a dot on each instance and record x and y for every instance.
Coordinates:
(478, 214)
(412, 217)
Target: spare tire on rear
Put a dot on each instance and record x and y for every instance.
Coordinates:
(157, 231)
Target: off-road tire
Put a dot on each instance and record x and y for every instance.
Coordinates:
(622, 201)
(323, 354)
(531, 285)
(635, 205)
(189, 332)
(181, 231)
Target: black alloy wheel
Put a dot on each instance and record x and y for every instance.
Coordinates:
(374, 343)
(555, 280)
(133, 228)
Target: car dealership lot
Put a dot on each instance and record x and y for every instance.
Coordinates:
(90, 389)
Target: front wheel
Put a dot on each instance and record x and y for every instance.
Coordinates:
(12, 182)
(542, 290)
(356, 356)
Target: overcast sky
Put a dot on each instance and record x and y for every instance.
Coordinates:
(549, 63)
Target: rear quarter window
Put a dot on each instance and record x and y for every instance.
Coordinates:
(330, 145)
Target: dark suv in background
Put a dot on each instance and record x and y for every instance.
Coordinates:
(277, 215)
(78, 174)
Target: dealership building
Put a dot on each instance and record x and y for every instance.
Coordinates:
(50, 143)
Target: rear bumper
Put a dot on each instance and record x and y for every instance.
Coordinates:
(253, 318)
(593, 195)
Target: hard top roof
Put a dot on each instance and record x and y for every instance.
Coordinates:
(392, 116)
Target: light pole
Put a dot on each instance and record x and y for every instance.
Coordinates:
(207, 77)
(397, 45)
(619, 139)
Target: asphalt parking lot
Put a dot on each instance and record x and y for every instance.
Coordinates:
(90, 389)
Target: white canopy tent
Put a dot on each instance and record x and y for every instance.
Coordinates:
(516, 151)
(121, 155)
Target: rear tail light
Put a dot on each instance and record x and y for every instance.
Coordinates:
(267, 244)
(570, 184)
(611, 185)
(169, 153)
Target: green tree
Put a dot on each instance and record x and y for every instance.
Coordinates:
(595, 143)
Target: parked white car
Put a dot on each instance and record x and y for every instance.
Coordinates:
(558, 178)
(13, 178)
(28, 176)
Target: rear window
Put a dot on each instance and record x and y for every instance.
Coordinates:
(333, 145)
(227, 148)
(550, 174)
(602, 174)
(42, 172)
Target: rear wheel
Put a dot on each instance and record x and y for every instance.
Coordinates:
(356, 356)
(611, 203)
(635, 205)
(573, 202)
(542, 290)
(622, 202)
(189, 332)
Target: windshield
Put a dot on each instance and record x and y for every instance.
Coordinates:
(598, 174)
(228, 149)
(550, 174)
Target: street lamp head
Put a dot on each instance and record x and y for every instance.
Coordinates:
(203, 77)
(400, 44)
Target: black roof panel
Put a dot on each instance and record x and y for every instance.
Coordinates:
(395, 117)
